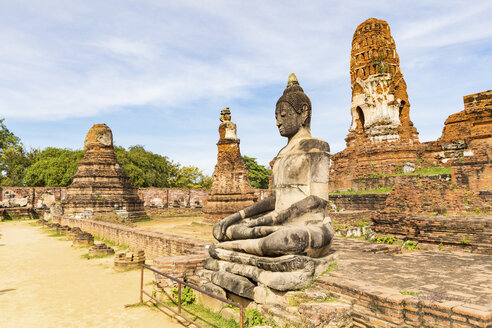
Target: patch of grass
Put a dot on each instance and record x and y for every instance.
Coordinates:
(15, 219)
(362, 223)
(427, 171)
(441, 246)
(381, 190)
(180, 215)
(197, 223)
(331, 267)
(254, 318)
(299, 299)
(407, 292)
(390, 240)
(56, 234)
(204, 316)
(141, 220)
(410, 244)
(464, 240)
(111, 243)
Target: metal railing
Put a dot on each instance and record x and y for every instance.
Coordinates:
(181, 282)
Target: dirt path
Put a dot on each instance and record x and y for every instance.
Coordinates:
(44, 282)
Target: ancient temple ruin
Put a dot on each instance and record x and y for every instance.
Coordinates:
(283, 241)
(382, 138)
(380, 107)
(230, 190)
(100, 186)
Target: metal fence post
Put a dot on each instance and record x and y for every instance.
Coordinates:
(179, 297)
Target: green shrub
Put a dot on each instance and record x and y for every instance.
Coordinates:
(187, 295)
(254, 318)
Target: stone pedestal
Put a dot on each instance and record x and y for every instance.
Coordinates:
(100, 249)
(230, 190)
(83, 239)
(100, 186)
(129, 260)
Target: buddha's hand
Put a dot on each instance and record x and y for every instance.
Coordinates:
(219, 230)
(265, 220)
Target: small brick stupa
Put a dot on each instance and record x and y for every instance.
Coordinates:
(231, 190)
(100, 185)
(382, 138)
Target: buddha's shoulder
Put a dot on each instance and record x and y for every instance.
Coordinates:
(313, 145)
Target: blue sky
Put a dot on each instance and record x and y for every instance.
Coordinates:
(159, 72)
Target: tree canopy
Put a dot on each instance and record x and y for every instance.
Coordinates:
(53, 167)
(259, 175)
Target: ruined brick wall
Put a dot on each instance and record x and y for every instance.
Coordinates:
(465, 145)
(437, 211)
(34, 197)
(371, 183)
(154, 244)
(359, 202)
(181, 267)
(173, 197)
(474, 122)
(375, 307)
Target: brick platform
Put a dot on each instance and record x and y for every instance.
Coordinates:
(453, 288)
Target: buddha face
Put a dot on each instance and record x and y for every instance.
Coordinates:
(288, 120)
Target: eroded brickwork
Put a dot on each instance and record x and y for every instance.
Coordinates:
(436, 211)
(230, 190)
(380, 107)
(382, 138)
(100, 185)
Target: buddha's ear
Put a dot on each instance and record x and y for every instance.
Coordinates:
(305, 114)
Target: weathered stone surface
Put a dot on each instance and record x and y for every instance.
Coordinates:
(230, 190)
(100, 185)
(232, 282)
(274, 241)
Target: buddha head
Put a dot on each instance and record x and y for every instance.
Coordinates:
(293, 109)
(225, 114)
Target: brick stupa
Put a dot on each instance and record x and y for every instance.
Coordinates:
(100, 185)
(382, 138)
(230, 190)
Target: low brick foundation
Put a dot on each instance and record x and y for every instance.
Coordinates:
(359, 202)
(381, 307)
(180, 267)
(472, 233)
(153, 243)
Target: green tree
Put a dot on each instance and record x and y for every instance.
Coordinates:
(146, 169)
(259, 175)
(53, 167)
(13, 158)
(193, 177)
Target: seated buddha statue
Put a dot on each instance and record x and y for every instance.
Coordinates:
(291, 225)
